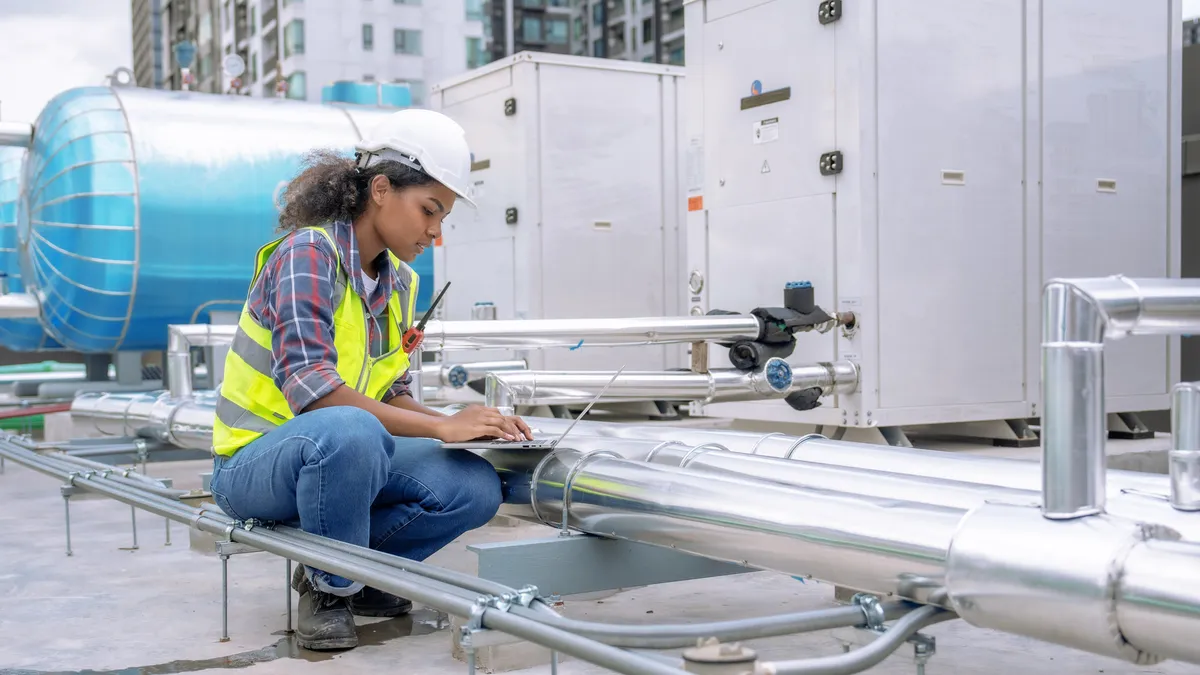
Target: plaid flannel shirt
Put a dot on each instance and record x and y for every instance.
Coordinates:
(293, 297)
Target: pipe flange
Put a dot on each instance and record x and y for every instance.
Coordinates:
(872, 610)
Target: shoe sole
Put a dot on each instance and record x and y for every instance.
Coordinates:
(328, 644)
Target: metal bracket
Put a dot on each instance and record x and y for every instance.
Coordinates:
(510, 105)
(924, 647)
(829, 11)
(872, 609)
(831, 163)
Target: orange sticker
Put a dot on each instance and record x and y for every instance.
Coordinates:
(437, 242)
(696, 203)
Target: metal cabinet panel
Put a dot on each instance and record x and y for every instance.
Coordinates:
(951, 214)
(767, 146)
(1105, 133)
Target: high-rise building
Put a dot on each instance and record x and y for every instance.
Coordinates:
(417, 42)
(615, 29)
(148, 44)
(299, 46)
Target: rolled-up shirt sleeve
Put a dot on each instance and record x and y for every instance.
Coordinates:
(401, 387)
(303, 272)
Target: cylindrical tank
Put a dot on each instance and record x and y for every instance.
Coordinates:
(15, 334)
(144, 208)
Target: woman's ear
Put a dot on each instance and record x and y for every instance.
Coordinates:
(379, 188)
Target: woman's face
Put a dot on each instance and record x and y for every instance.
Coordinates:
(410, 219)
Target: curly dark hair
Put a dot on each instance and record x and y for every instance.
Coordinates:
(331, 188)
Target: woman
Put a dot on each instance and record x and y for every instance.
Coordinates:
(315, 421)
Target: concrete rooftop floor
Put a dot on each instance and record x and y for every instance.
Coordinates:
(155, 610)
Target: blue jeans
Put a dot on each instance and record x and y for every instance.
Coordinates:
(336, 472)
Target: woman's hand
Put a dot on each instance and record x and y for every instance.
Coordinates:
(476, 421)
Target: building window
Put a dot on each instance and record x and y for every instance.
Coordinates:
(559, 3)
(293, 37)
(556, 31)
(474, 10)
(368, 37)
(296, 86)
(579, 30)
(407, 41)
(533, 4)
(531, 28)
(253, 20)
(598, 13)
(675, 57)
(598, 48)
(253, 68)
(647, 30)
(475, 54)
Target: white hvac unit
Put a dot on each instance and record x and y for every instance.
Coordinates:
(576, 173)
(928, 165)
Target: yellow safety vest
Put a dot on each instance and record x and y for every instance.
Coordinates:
(250, 405)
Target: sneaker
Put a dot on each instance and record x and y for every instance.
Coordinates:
(374, 602)
(323, 620)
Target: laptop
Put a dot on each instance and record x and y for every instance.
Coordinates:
(547, 444)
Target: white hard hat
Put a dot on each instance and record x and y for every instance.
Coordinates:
(424, 140)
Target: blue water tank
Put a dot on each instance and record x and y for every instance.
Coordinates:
(145, 208)
(18, 335)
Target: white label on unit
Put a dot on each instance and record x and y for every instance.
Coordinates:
(850, 356)
(849, 304)
(695, 165)
(766, 131)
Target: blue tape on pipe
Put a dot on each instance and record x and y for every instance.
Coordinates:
(577, 346)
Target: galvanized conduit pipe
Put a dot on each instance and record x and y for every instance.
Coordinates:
(1077, 316)
(457, 375)
(180, 340)
(864, 658)
(661, 636)
(385, 578)
(774, 379)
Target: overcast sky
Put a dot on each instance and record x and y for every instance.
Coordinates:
(47, 46)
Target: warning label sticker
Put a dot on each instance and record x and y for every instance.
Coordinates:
(766, 131)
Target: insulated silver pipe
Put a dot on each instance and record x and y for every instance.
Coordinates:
(775, 379)
(1103, 584)
(878, 545)
(548, 333)
(457, 375)
(1077, 316)
(16, 134)
(19, 305)
(1184, 457)
(180, 340)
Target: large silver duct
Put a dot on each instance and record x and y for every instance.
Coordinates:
(1097, 574)
(775, 379)
(1077, 316)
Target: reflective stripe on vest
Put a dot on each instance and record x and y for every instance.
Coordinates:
(249, 404)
